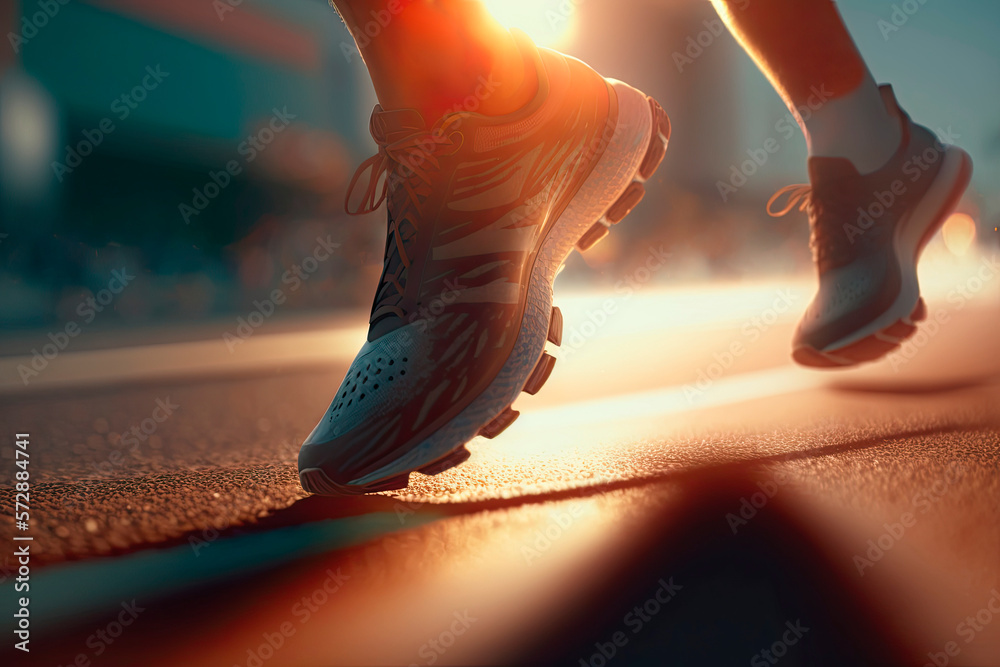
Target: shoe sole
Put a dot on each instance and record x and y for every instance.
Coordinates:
(893, 327)
(610, 192)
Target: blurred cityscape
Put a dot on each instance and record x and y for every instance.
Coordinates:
(203, 148)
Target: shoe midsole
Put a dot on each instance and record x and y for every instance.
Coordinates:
(615, 170)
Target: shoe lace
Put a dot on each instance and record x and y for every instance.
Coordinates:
(798, 193)
(827, 212)
(409, 163)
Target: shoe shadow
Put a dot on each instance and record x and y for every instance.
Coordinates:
(911, 388)
(315, 508)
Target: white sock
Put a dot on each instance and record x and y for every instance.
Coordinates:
(856, 126)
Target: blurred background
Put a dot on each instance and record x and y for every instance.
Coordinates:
(204, 146)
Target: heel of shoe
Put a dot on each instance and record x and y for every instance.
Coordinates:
(941, 199)
(634, 112)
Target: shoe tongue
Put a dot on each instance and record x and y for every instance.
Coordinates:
(396, 124)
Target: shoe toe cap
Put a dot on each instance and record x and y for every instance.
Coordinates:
(384, 376)
(848, 298)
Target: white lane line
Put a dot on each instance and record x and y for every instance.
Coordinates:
(175, 360)
(676, 399)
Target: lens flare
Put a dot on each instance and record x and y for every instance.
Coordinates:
(548, 22)
(959, 233)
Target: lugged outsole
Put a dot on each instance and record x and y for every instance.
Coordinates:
(541, 373)
(870, 348)
(314, 480)
(634, 193)
(499, 423)
(457, 457)
(555, 326)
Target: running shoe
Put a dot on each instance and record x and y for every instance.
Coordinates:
(868, 232)
(482, 213)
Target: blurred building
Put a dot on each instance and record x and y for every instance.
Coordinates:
(206, 144)
(156, 135)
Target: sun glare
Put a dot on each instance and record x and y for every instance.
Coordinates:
(548, 22)
(959, 231)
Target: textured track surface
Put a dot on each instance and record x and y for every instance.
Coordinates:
(608, 444)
